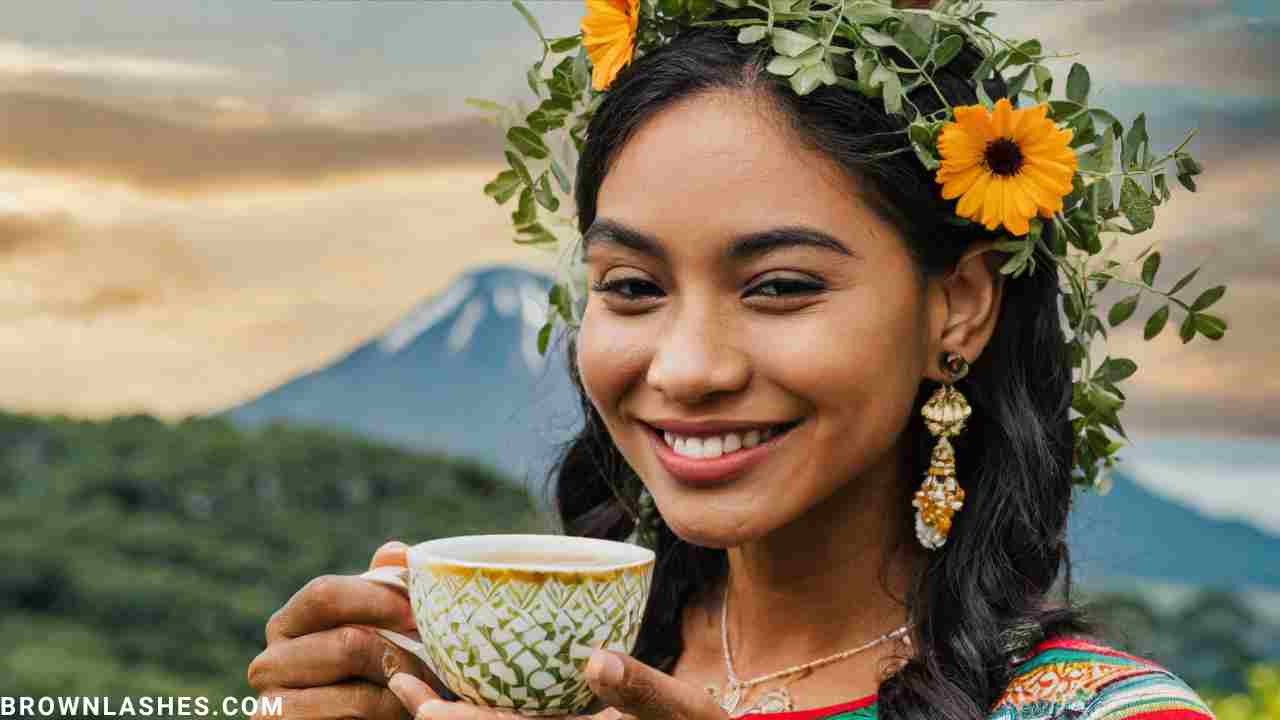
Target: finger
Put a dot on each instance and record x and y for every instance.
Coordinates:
(424, 704)
(325, 657)
(415, 696)
(637, 689)
(392, 552)
(332, 600)
(356, 699)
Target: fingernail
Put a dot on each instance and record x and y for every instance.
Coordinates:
(428, 708)
(399, 683)
(390, 661)
(394, 544)
(605, 667)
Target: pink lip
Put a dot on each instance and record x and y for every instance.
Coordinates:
(713, 471)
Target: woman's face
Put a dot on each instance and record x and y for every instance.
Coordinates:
(834, 331)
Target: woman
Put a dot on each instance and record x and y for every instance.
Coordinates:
(766, 285)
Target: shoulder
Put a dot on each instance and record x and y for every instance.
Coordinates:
(1081, 679)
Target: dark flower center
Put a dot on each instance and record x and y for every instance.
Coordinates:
(1004, 157)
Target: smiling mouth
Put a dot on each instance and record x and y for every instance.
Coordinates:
(713, 446)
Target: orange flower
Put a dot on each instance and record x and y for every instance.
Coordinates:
(609, 35)
(1007, 164)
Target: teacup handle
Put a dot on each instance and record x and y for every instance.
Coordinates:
(396, 576)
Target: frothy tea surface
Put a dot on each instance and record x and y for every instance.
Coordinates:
(516, 556)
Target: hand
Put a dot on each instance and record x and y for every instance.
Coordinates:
(323, 658)
(630, 689)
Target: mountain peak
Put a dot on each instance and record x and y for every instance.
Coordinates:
(504, 290)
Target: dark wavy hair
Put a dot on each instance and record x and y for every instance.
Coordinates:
(988, 595)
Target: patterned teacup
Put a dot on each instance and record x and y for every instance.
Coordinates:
(508, 621)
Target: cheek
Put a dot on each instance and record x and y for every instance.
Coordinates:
(610, 360)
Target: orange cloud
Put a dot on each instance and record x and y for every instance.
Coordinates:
(94, 139)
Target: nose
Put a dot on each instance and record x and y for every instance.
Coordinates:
(697, 357)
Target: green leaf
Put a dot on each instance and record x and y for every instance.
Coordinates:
(752, 34)
(1078, 84)
(565, 44)
(1188, 329)
(1183, 282)
(535, 234)
(534, 77)
(488, 105)
(543, 194)
(947, 50)
(784, 66)
(1136, 205)
(525, 213)
(807, 79)
(528, 142)
(1061, 109)
(544, 337)
(1102, 157)
(1211, 326)
(1116, 369)
(791, 43)
(1123, 309)
(561, 177)
(926, 157)
(1162, 187)
(1044, 78)
(1187, 165)
(1103, 118)
(915, 45)
(1133, 142)
(528, 17)
(1024, 53)
(518, 165)
(1208, 297)
(877, 38)
(892, 93)
(869, 13)
(1149, 268)
(503, 187)
(1019, 82)
(1156, 322)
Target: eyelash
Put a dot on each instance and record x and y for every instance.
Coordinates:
(612, 286)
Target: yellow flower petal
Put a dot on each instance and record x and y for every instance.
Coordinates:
(960, 183)
(972, 202)
(1002, 118)
(608, 34)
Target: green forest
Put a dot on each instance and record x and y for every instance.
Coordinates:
(139, 557)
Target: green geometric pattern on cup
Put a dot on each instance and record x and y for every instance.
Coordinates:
(511, 640)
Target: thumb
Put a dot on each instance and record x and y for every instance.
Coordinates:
(632, 687)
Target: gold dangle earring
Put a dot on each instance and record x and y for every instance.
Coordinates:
(940, 496)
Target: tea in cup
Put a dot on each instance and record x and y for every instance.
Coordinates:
(509, 621)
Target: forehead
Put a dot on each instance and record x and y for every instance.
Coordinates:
(719, 165)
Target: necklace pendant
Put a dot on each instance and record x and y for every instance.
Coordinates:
(729, 701)
(774, 701)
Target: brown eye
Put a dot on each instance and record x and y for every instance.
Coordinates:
(783, 287)
(615, 288)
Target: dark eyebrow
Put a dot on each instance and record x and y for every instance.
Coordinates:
(743, 247)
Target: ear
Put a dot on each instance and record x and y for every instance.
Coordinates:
(970, 298)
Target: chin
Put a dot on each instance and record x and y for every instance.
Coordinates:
(702, 534)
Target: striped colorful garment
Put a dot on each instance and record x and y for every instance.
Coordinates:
(1067, 679)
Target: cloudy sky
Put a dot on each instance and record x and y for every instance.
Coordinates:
(200, 200)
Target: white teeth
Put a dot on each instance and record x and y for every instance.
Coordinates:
(732, 442)
(717, 445)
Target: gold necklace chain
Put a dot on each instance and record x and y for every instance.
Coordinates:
(733, 689)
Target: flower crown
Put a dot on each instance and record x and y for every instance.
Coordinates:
(1015, 170)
